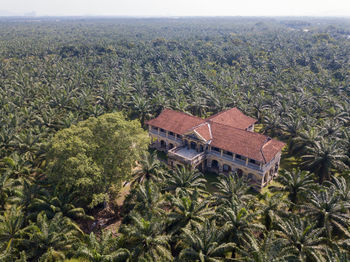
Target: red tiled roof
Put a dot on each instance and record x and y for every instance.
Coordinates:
(232, 117)
(174, 121)
(225, 129)
(204, 131)
(249, 144)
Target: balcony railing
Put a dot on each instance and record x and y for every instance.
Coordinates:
(254, 166)
(163, 134)
(236, 161)
(171, 137)
(187, 156)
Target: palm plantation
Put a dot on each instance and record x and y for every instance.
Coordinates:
(57, 75)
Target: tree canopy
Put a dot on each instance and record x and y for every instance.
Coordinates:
(95, 154)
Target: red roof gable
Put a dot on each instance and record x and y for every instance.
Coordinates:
(203, 130)
(174, 121)
(249, 144)
(232, 117)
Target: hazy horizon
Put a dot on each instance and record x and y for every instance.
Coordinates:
(180, 8)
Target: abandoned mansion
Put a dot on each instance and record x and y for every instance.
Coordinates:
(222, 143)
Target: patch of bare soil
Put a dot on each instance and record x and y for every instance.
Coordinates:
(107, 217)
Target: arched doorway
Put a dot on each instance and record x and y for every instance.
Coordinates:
(251, 178)
(201, 149)
(215, 164)
(226, 168)
(186, 143)
(162, 144)
(171, 146)
(193, 145)
(239, 172)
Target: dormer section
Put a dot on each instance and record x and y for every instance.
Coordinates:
(201, 132)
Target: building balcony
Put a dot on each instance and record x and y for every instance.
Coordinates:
(236, 161)
(171, 137)
(187, 156)
(163, 134)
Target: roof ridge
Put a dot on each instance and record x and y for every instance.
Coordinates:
(194, 127)
(236, 128)
(209, 127)
(267, 140)
(218, 113)
(183, 113)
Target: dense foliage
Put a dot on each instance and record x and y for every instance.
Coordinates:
(63, 80)
(94, 155)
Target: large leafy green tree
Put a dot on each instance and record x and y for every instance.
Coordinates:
(96, 154)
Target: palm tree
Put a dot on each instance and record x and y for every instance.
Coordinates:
(231, 186)
(338, 254)
(330, 213)
(61, 201)
(26, 193)
(184, 181)
(292, 124)
(16, 166)
(187, 212)
(237, 222)
(301, 239)
(148, 200)
(323, 157)
(259, 105)
(8, 188)
(305, 138)
(296, 184)
(205, 243)
(150, 166)
(11, 228)
(146, 240)
(340, 186)
(270, 208)
(102, 249)
(267, 249)
(272, 123)
(53, 237)
(141, 107)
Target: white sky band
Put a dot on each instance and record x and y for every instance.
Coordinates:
(178, 7)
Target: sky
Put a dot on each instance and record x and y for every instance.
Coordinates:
(176, 7)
